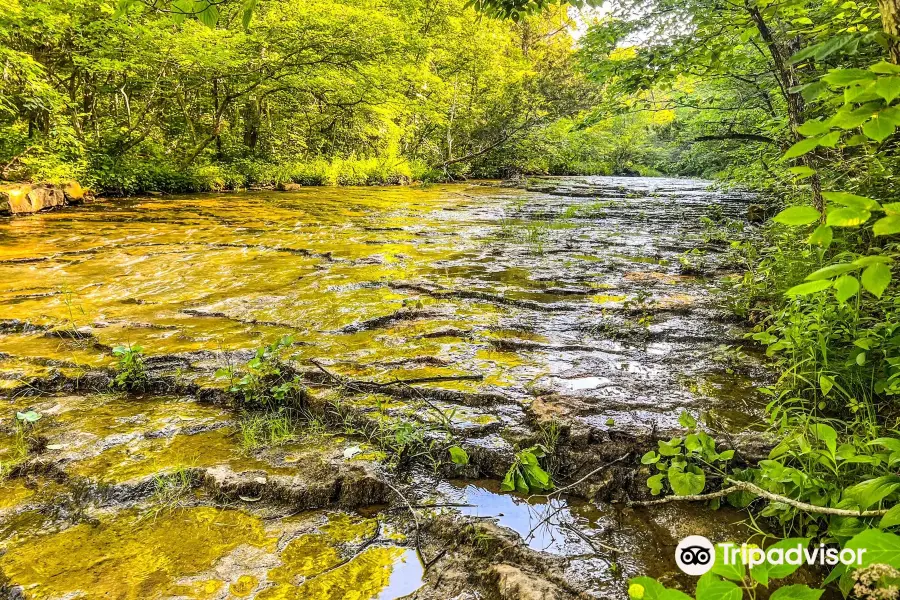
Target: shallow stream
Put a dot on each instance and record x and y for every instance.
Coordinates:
(583, 305)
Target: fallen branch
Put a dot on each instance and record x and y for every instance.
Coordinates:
(746, 486)
(689, 498)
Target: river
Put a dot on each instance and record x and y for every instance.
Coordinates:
(575, 312)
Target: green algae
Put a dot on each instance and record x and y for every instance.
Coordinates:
(126, 557)
(147, 457)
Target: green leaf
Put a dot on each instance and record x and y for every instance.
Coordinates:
(813, 128)
(655, 483)
(850, 119)
(825, 384)
(845, 77)
(783, 570)
(649, 458)
(810, 287)
(847, 217)
(885, 68)
(851, 200)
(209, 16)
(509, 482)
(650, 589)
(888, 88)
(458, 455)
(881, 547)
(734, 571)
(688, 482)
(876, 279)
(879, 129)
(710, 587)
(832, 271)
(28, 417)
(796, 592)
(802, 171)
(887, 226)
(247, 14)
(891, 208)
(891, 519)
(827, 434)
(801, 148)
(797, 215)
(686, 420)
(873, 259)
(872, 491)
(822, 236)
(845, 288)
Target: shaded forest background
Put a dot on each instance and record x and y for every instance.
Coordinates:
(314, 92)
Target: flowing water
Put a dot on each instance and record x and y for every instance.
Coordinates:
(582, 305)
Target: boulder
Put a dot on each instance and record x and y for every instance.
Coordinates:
(288, 187)
(75, 194)
(42, 197)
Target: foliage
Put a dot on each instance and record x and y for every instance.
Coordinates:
(131, 374)
(265, 381)
(526, 474)
(182, 96)
(681, 461)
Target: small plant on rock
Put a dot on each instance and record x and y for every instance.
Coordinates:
(131, 374)
(526, 474)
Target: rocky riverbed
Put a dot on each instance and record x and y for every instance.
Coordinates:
(577, 313)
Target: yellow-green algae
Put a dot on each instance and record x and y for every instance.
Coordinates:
(128, 557)
(149, 456)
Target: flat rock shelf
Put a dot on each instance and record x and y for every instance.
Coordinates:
(576, 312)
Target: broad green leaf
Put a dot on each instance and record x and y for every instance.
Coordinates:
(209, 16)
(783, 570)
(825, 384)
(876, 279)
(892, 518)
(796, 592)
(734, 571)
(813, 128)
(810, 287)
(825, 434)
(872, 491)
(830, 140)
(873, 259)
(846, 287)
(885, 68)
(29, 416)
(832, 271)
(822, 236)
(891, 208)
(801, 148)
(649, 588)
(887, 226)
(881, 547)
(686, 420)
(850, 119)
(650, 458)
(845, 77)
(458, 455)
(797, 215)
(655, 483)
(247, 14)
(878, 129)
(888, 88)
(710, 587)
(688, 482)
(851, 200)
(802, 171)
(847, 217)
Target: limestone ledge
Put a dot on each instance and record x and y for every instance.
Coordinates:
(24, 198)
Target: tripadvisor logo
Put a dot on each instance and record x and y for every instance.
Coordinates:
(696, 555)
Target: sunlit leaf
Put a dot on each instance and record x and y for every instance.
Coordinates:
(876, 279)
(847, 217)
(797, 215)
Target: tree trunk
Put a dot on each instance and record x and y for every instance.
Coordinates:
(787, 79)
(218, 117)
(890, 22)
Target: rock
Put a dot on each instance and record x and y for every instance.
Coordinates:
(28, 198)
(288, 187)
(756, 213)
(512, 582)
(75, 194)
